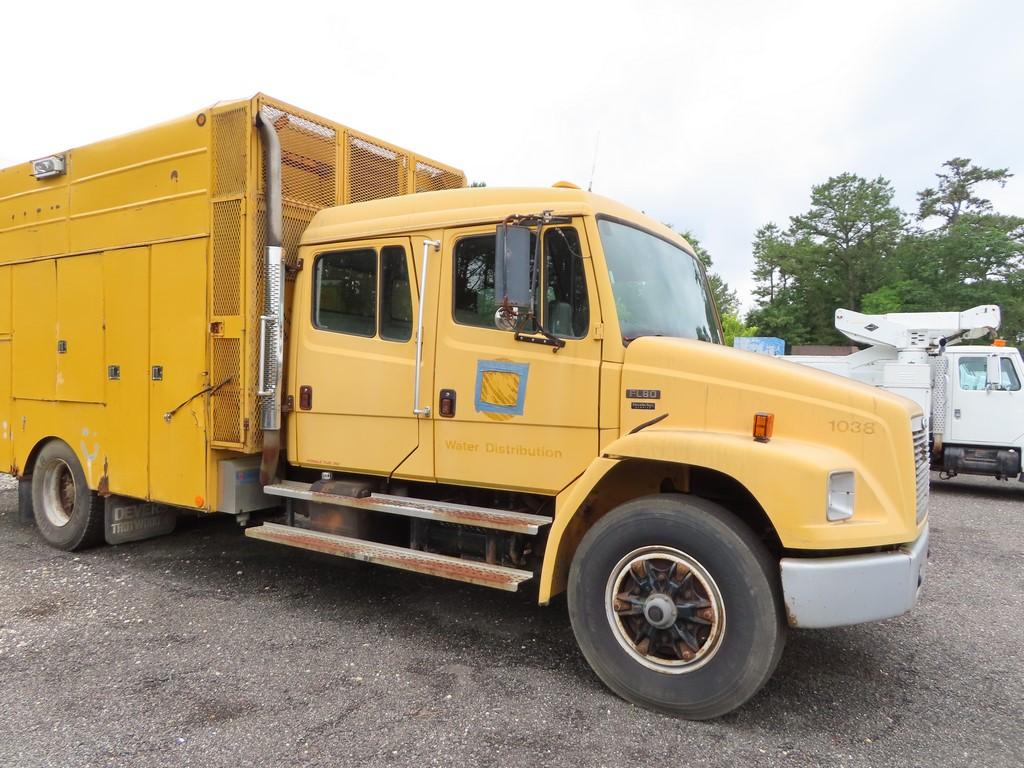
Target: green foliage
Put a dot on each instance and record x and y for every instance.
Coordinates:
(955, 193)
(854, 249)
(732, 327)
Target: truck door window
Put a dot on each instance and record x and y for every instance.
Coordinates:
(564, 308)
(395, 295)
(345, 292)
(474, 281)
(972, 374)
(567, 312)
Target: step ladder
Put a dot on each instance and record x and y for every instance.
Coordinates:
(445, 566)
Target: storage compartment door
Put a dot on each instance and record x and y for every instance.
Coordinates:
(178, 373)
(126, 368)
(80, 370)
(34, 302)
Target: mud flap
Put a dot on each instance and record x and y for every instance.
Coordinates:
(133, 520)
(25, 500)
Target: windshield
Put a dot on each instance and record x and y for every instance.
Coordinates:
(659, 288)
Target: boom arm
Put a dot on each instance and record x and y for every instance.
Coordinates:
(925, 331)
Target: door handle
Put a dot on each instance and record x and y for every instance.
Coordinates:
(956, 413)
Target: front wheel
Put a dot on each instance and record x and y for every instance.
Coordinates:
(675, 605)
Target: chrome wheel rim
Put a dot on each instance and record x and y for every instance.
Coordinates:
(58, 493)
(665, 609)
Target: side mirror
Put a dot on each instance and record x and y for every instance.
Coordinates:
(993, 372)
(512, 266)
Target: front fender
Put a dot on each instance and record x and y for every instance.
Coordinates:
(788, 478)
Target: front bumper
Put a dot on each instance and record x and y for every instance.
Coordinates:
(850, 589)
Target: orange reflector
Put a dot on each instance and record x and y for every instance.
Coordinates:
(764, 423)
(999, 343)
(200, 501)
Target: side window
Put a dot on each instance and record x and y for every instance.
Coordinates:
(1008, 375)
(567, 312)
(563, 305)
(973, 376)
(395, 295)
(972, 373)
(345, 292)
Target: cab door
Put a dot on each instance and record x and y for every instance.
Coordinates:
(983, 416)
(517, 414)
(355, 358)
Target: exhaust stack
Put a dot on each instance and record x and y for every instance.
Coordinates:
(272, 319)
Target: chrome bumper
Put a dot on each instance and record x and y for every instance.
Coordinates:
(850, 589)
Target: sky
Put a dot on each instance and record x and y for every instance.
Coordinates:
(714, 117)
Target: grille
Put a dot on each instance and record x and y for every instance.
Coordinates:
(227, 256)
(230, 145)
(230, 157)
(374, 171)
(940, 369)
(430, 178)
(308, 157)
(227, 398)
(922, 465)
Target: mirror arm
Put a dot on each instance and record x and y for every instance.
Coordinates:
(545, 338)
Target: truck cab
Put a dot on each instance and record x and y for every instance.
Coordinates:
(980, 421)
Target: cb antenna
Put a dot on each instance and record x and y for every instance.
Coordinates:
(593, 168)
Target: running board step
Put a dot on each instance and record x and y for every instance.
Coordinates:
(462, 514)
(446, 567)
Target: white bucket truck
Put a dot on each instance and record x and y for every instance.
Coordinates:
(971, 394)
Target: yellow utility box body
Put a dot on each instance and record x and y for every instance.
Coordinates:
(132, 283)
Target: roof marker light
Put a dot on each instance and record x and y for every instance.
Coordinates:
(45, 167)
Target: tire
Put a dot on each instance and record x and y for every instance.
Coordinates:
(67, 513)
(687, 577)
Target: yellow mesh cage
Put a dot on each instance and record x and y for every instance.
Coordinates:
(322, 164)
(226, 398)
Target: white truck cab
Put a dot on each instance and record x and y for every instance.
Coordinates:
(971, 395)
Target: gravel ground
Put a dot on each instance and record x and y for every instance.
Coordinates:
(207, 649)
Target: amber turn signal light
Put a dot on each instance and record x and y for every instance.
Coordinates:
(764, 423)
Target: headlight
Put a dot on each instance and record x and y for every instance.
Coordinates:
(840, 496)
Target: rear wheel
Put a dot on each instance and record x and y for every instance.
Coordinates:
(675, 605)
(67, 513)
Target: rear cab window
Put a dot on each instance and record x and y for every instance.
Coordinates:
(363, 292)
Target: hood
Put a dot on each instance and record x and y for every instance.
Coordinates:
(709, 387)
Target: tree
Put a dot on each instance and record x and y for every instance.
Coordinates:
(771, 267)
(829, 257)
(976, 256)
(854, 226)
(732, 327)
(955, 194)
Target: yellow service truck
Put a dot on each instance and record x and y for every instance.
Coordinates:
(253, 309)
